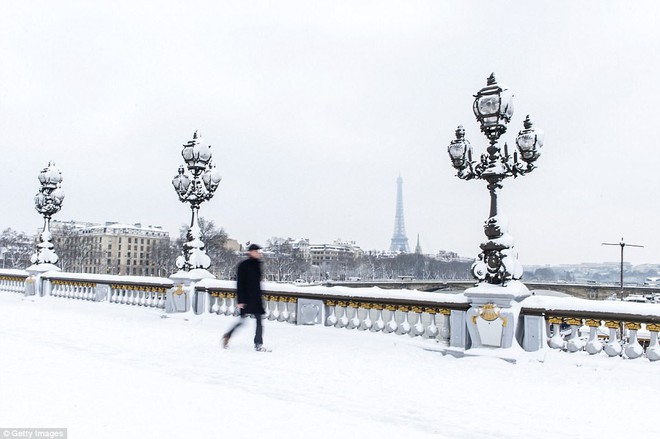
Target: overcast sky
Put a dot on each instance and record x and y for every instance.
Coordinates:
(314, 108)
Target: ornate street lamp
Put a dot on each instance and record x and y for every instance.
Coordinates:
(493, 108)
(48, 202)
(494, 311)
(195, 189)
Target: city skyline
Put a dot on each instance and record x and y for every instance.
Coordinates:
(313, 110)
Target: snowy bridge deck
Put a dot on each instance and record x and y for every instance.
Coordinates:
(106, 371)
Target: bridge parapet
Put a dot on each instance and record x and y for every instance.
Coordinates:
(618, 328)
(594, 291)
(128, 290)
(615, 328)
(13, 281)
(403, 312)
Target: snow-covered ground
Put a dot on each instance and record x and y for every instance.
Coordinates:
(116, 371)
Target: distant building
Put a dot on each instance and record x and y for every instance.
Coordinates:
(327, 254)
(233, 245)
(448, 256)
(111, 248)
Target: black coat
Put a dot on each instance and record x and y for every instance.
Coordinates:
(248, 286)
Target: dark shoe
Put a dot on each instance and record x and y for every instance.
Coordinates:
(225, 341)
(261, 348)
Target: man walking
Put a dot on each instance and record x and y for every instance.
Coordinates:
(248, 296)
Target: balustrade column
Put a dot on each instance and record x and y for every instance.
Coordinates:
(633, 348)
(556, 341)
(594, 345)
(613, 347)
(574, 342)
(653, 351)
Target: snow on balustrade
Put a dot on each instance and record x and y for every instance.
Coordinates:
(70, 289)
(127, 290)
(139, 295)
(402, 312)
(616, 328)
(13, 281)
(610, 328)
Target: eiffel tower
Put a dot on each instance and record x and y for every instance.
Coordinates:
(399, 238)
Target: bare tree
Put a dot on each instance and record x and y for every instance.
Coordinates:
(16, 249)
(283, 262)
(76, 250)
(163, 257)
(223, 260)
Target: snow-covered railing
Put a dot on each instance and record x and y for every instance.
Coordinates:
(617, 328)
(401, 312)
(13, 281)
(125, 290)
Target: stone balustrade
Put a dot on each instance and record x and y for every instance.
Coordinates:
(616, 328)
(13, 281)
(401, 312)
(139, 295)
(124, 290)
(613, 328)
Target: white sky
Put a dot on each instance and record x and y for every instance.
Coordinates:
(314, 108)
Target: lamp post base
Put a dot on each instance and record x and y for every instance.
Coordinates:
(183, 296)
(492, 320)
(191, 276)
(42, 268)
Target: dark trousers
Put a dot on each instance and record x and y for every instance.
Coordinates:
(258, 335)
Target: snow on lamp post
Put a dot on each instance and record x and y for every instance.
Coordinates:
(493, 108)
(48, 202)
(195, 188)
(491, 320)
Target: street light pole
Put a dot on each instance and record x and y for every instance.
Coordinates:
(201, 187)
(622, 244)
(493, 107)
(48, 202)
(492, 319)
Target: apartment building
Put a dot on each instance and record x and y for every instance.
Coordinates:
(111, 248)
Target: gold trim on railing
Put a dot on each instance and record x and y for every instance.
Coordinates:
(72, 283)
(341, 303)
(574, 321)
(389, 307)
(633, 326)
(553, 320)
(225, 294)
(592, 323)
(416, 309)
(653, 327)
(445, 311)
(612, 324)
(13, 278)
(403, 308)
(147, 289)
